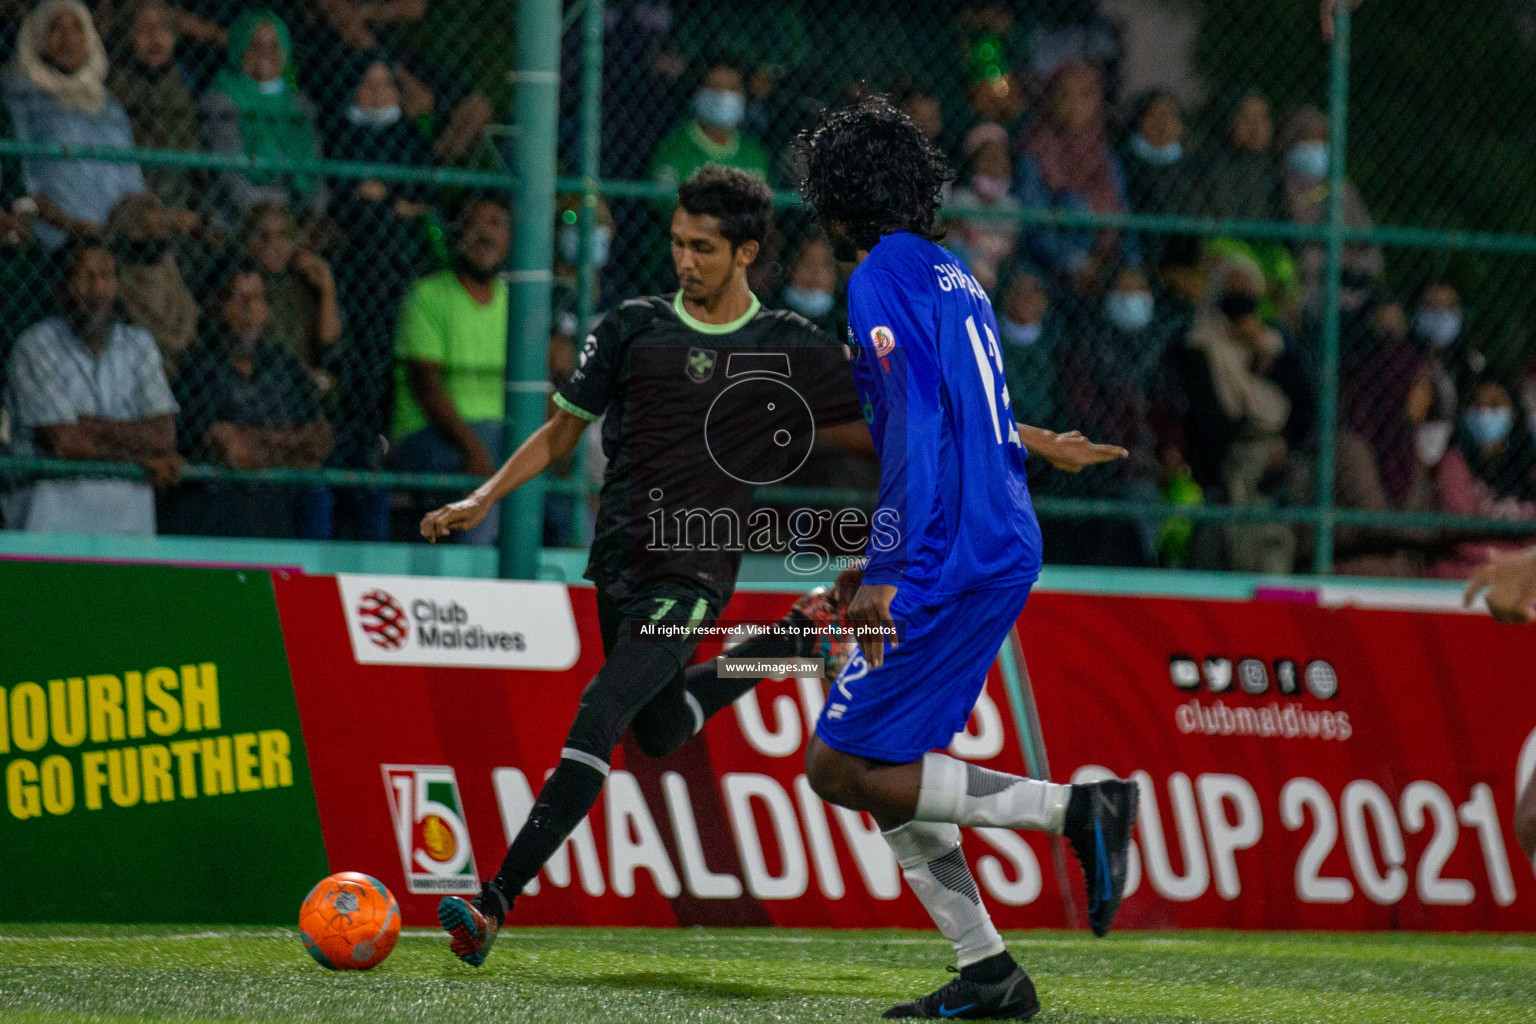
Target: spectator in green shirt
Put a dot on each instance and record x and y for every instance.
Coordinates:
(452, 351)
(713, 134)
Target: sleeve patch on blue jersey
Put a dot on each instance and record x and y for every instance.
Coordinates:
(883, 340)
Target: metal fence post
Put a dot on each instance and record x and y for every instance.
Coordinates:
(536, 109)
(591, 154)
(591, 169)
(1328, 378)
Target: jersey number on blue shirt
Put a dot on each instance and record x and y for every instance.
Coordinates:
(992, 381)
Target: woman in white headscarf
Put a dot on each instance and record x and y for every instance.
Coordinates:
(55, 88)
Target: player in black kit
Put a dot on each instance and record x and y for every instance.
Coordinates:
(704, 396)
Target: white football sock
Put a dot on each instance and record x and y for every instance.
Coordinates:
(934, 866)
(969, 795)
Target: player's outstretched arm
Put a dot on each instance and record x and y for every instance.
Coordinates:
(551, 442)
(1070, 452)
(1510, 579)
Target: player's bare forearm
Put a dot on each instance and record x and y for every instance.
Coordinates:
(1036, 439)
(550, 443)
(1070, 452)
(131, 440)
(91, 437)
(546, 446)
(1509, 577)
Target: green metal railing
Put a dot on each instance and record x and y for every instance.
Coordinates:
(532, 185)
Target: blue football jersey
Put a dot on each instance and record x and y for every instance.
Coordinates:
(954, 512)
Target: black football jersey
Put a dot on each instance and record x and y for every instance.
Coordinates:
(696, 417)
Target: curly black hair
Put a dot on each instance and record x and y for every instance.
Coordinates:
(741, 203)
(872, 170)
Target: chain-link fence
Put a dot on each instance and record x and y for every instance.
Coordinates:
(304, 208)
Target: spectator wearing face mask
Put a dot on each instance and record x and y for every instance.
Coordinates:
(452, 59)
(55, 89)
(385, 250)
(1160, 175)
(568, 252)
(368, 124)
(986, 240)
(811, 287)
(1488, 471)
(1243, 389)
(1439, 329)
(713, 134)
(255, 108)
(1304, 194)
(1031, 329)
(1106, 378)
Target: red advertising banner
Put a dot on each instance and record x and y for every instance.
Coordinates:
(1302, 767)
(1313, 767)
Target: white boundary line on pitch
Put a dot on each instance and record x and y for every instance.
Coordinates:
(167, 936)
(268, 933)
(432, 933)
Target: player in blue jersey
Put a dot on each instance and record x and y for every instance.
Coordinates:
(951, 559)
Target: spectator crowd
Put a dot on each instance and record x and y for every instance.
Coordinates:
(265, 320)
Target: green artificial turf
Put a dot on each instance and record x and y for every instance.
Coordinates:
(78, 973)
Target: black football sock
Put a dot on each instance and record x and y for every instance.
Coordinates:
(677, 713)
(565, 799)
(714, 693)
(991, 970)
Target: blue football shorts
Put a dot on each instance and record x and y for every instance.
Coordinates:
(924, 691)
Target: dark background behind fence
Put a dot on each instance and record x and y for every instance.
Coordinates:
(304, 238)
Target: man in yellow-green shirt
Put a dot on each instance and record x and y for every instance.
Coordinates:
(451, 351)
